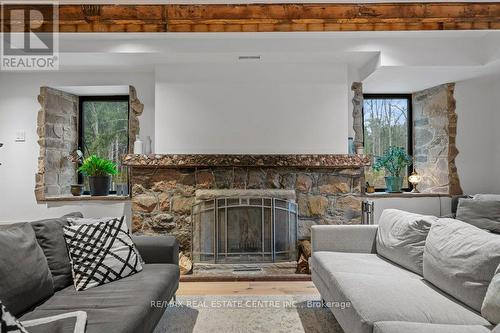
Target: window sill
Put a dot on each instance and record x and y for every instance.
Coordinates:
(405, 195)
(87, 198)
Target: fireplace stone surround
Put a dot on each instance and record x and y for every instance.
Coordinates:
(327, 188)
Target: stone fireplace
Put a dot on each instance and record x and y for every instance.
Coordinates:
(169, 192)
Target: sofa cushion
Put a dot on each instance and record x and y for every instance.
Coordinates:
(406, 327)
(101, 253)
(134, 304)
(362, 263)
(374, 298)
(491, 303)
(484, 214)
(461, 260)
(70, 322)
(25, 278)
(486, 197)
(401, 237)
(50, 237)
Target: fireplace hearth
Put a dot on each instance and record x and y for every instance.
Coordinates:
(244, 230)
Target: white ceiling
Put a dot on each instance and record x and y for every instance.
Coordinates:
(385, 61)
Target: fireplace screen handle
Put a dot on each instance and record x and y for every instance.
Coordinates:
(367, 211)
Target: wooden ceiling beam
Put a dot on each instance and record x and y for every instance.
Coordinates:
(274, 17)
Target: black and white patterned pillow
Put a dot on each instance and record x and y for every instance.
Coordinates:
(9, 323)
(101, 253)
(96, 220)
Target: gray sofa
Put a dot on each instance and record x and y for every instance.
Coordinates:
(123, 306)
(368, 293)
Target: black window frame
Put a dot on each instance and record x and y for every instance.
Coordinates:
(410, 126)
(105, 98)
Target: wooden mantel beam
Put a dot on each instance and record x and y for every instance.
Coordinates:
(274, 17)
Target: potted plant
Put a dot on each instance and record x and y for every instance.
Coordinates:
(99, 171)
(394, 161)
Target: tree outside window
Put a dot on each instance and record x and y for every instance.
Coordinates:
(387, 122)
(104, 130)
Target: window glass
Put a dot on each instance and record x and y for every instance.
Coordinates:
(104, 131)
(386, 122)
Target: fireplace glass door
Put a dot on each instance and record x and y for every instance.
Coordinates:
(236, 230)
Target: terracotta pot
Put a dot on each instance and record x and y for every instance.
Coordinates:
(77, 190)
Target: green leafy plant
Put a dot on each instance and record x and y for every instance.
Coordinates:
(95, 166)
(394, 160)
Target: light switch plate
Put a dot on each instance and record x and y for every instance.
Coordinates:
(20, 136)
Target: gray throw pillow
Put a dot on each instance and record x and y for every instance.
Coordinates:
(491, 304)
(461, 260)
(401, 238)
(484, 214)
(50, 237)
(25, 278)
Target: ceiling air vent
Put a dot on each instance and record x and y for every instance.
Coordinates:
(249, 57)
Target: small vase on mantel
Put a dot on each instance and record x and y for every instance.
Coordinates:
(137, 145)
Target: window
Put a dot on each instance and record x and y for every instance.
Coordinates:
(103, 131)
(387, 121)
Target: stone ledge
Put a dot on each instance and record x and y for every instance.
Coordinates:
(251, 193)
(335, 161)
(405, 195)
(87, 198)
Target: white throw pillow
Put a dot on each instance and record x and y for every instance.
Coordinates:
(491, 304)
(401, 238)
(101, 253)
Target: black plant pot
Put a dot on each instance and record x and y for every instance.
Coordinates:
(99, 185)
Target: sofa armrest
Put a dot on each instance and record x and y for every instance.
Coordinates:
(158, 249)
(344, 238)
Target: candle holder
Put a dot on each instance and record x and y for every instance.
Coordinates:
(414, 179)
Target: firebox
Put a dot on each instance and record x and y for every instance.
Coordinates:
(244, 230)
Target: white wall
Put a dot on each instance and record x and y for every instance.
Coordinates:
(18, 111)
(496, 110)
(478, 135)
(251, 108)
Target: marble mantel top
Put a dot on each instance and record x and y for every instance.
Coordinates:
(246, 160)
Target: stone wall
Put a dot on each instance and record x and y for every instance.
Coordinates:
(136, 109)
(434, 134)
(357, 114)
(162, 197)
(58, 138)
